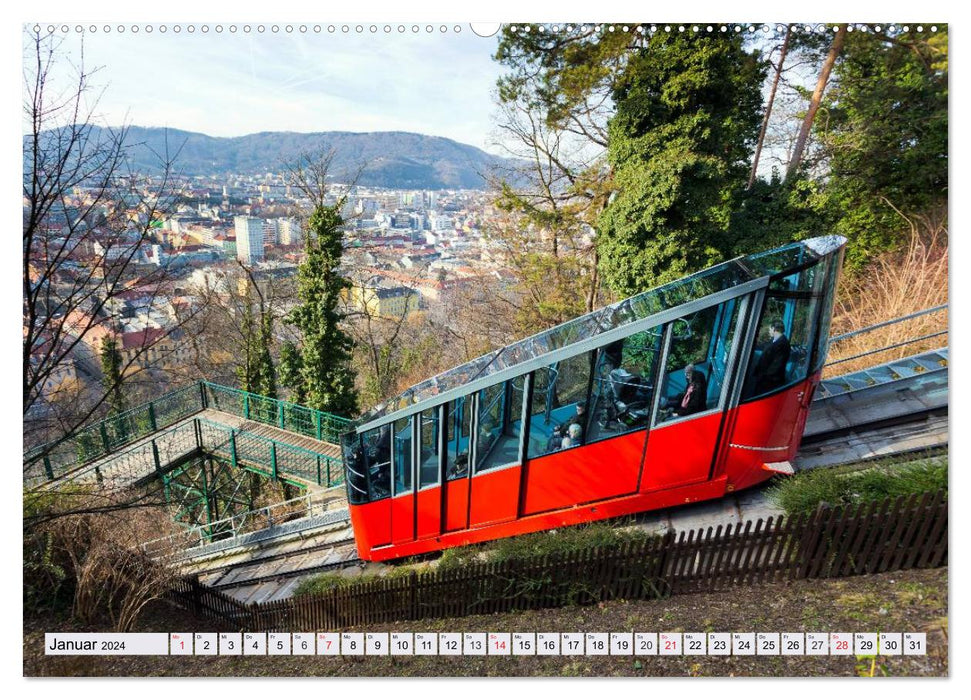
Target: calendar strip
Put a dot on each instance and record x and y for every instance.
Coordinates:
(371, 644)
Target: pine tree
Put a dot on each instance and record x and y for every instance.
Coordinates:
(319, 370)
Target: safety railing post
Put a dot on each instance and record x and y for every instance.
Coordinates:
(151, 416)
(279, 413)
(318, 470)
(329, 460)
(155, 456)
(232, 448)
(317, 421)
(246, 406)
(203, 399)
(273, 459)
(104, 436)
(48, 468)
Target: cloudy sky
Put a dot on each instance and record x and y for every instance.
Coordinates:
(230, 84)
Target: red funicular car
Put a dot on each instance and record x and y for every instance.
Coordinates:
(676, 395)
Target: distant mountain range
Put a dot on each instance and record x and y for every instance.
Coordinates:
(395, 159)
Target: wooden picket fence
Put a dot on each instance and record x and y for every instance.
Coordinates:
(902, 533)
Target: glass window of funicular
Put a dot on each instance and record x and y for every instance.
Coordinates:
(622, 393)
(402, 455)
(787, 332)
(428, 446)
(499, 424)
(458, 430)
(697, 360)
(375, 458)
(559, 407)
(355, 468)
(833, 263)
(583, 328)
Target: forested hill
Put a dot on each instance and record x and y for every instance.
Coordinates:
(390, 158)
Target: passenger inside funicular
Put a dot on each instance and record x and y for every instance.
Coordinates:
(770, 370)
(694, 397)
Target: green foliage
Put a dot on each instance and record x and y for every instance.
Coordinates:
(773, 213)
(885, 136)
(687, 118)
(323, 583)
(111, 373)
(290, 370)
(804, 492)
(323, 378)
(538, 544)
(560, 70)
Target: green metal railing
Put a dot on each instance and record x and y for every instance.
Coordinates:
(144, 460)
(269, 457)
(241, 448)
(108, 436)
(276, 412)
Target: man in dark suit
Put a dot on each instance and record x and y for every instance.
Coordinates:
(770, 370)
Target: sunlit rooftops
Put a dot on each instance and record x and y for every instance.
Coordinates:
(721, 277)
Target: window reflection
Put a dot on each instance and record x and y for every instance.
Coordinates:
(458, 427)
(500, 424)
(559, 410)
(623, 388)
(376, 448)
(402, 455)
(428, 456)
(697, 361)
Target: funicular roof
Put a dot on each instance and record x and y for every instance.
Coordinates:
(597, 327)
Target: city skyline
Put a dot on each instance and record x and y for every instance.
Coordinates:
(230, 84)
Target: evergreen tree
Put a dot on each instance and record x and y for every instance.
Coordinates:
(319, 370)
(688, 114)
(885, 138)
(257, 374)
(111, 378)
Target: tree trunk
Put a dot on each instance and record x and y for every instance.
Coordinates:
(768, 109)
(817, 98)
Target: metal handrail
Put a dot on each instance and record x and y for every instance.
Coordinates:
(888, 347)
(311, 498)
(859, 331)
(97, 433)
(327, 425)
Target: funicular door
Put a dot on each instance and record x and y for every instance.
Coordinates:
(699, 353)
(497, 455)
(429, 467)
(403, 481)
(456, 487)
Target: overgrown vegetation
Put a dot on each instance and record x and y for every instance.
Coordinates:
(524, 547)
(81, 559)
(804, 492)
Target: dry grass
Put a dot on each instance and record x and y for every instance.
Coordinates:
(894, 285)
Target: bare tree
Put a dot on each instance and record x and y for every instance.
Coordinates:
(89, 222)
(783, 51)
